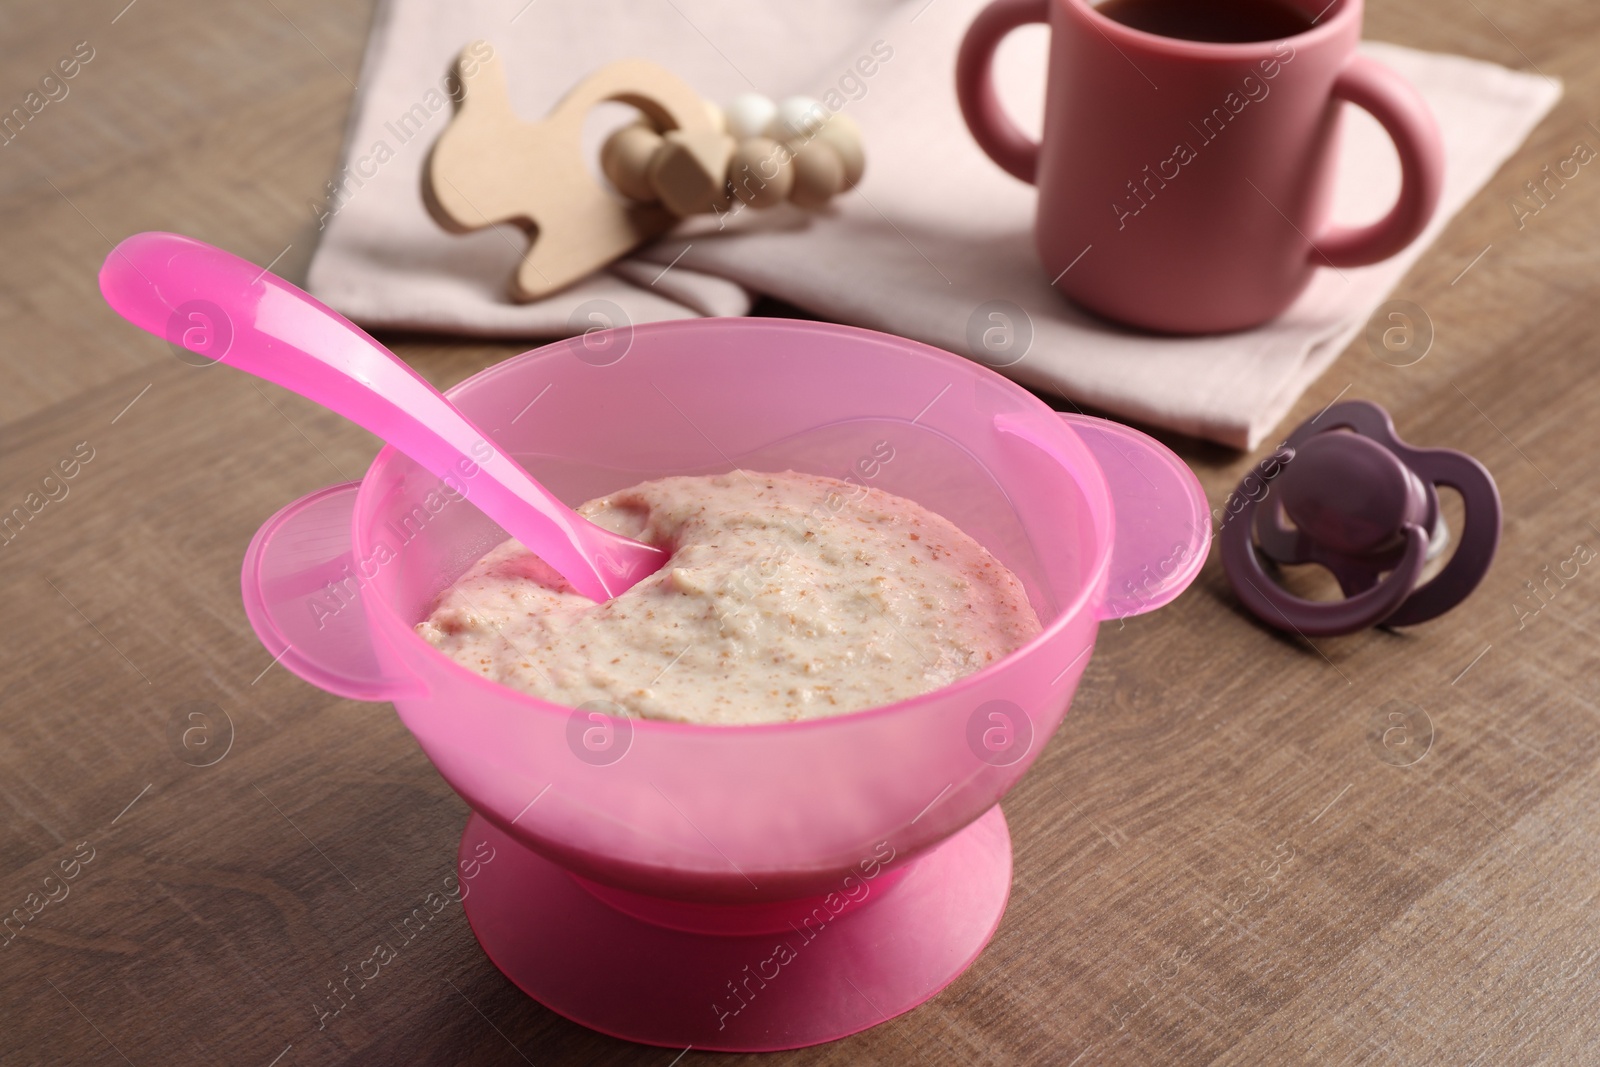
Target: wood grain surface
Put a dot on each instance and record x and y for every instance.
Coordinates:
(1217, 860)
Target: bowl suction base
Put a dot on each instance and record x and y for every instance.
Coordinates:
(632, 979)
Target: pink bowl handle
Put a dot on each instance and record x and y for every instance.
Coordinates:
(1160, 519)
(1160, 528)
(303, 591)
(1391, 100)
(996, 134)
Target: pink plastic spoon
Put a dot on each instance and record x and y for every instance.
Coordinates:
(228, 309)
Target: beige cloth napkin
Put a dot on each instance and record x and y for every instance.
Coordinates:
(933, 232)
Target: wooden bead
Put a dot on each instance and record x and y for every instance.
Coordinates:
(818, 174)
(749, 114)
(690, 172)
(844, 136)
(761, 172)
(625, 160)
(797, 120)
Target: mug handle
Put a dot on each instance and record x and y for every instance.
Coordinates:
(1390, 99)
(996, 134)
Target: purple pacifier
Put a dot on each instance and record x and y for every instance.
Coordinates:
(1355, 499)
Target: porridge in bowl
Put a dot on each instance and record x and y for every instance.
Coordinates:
(770, 608)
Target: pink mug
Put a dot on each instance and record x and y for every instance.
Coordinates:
(1185, 186)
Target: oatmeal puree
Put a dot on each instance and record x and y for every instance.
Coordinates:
(787, 596)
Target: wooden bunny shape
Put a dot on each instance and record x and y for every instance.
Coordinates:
(491, 166)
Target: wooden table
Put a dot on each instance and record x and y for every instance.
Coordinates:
(1217, 860)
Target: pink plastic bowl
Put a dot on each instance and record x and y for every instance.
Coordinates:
(641, 869)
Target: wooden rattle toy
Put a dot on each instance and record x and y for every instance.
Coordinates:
(491, 166)
(685, 156)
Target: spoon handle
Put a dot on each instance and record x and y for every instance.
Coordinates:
(228, 309)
